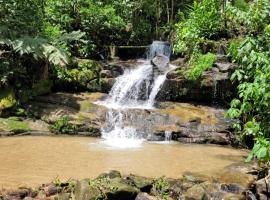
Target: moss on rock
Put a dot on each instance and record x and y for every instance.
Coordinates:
(7, 99)
(14, 124)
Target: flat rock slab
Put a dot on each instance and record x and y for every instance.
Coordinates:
(186, 122)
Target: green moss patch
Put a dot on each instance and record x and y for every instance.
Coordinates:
(200, 63)
(7, 98)
(14, 124)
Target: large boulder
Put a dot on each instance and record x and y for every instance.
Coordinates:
(161, 62)
(107, 188)
(145, 196)
(263, 188)
(82, 190)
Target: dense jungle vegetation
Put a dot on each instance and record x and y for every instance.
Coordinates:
(43, 43)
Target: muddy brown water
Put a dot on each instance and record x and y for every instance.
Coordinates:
(30, 161)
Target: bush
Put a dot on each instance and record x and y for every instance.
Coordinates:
(7, 98)
(200, 63)
(161, 188)
(204, 22)
(62, 126)
(78, 75)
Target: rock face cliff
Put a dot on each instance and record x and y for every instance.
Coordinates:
(213, 87)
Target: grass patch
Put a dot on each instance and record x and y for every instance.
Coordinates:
(14, 124)
(200, 63)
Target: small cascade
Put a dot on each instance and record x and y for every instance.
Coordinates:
(215, 93)
(168, 136)
(159, 47)
(135, 89)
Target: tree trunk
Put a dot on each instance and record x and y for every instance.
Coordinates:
(172, 11)
(157, 18)
(45, 71)
(168, 11)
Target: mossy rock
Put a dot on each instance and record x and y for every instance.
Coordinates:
(7, 98)
(143, 183)
(14, 124)
(196, 192)
(113, 189)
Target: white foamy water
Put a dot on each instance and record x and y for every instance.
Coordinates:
(135, 89)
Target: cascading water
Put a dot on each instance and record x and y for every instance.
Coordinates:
(135, 89)
(159, 47)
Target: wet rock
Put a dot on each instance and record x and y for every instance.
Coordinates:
(145, 196)
(179, 62)
(233, 197)
(173, 74)
(51, 190)
(143, 183)
(109, 74)
(211, 187)
(196, 192)
(121, 190)
(41, 195)
(224, 67)
(19, 194)
(110, 174)
(263, 188)
(82, 190)
(222, 58)
(160, 62)
(234, 177)
(195, 178)
(28, 198)
(63, 196)
(232, 188)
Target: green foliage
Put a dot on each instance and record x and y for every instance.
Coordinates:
(7, 98)
(198, 64)
(252, 106)
(80, 73)
(233, 48)
(249, 21)
(261, 150)
(19, 18)
(241, 5)
(14, 124)
(204, 22)
(62, 126)
(161, 188)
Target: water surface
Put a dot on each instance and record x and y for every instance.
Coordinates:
(30, 161)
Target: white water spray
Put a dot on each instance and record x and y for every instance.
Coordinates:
(135, 89)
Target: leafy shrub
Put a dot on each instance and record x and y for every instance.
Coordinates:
(252, 106)
(161, 188)
(62, 126)
(241, 5)
(233, 48)
(7, 98)
(79, 74)
(252, 20)
(204, 22)
(200, 63)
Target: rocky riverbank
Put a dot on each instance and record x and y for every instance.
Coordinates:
(187, 123)
(238, 181)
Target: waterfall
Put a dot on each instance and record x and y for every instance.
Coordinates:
(159, 47)
(136, 89)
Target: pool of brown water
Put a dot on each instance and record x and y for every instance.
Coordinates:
(30, 161)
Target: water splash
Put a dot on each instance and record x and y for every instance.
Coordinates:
(168, 136)
(135, 89)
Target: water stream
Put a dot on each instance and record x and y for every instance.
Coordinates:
(136, 89)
